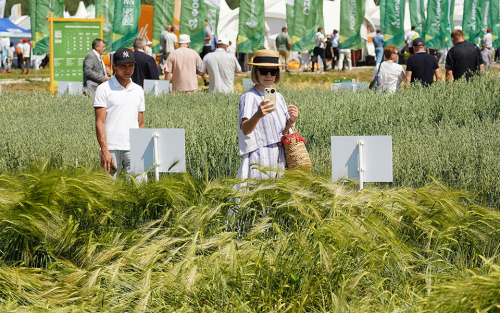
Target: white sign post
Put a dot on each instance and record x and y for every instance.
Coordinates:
(156, 87)
(71, 88)
(161, 149)
(362, 158)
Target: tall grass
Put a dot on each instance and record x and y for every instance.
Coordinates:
(75, 240)
(448, 131)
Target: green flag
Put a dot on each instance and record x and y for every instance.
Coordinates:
(381, 5)
(439, 23)
(252, 30)
(163, 15)
(125, 23)
(394, 22)
(107, 9)
(213, 9)
(306, 20)
(40, 25)
(352, 14)
(472, 20)
(417, 16)
(289, 16)
(193, 15)
(495, 22)
(486, 17)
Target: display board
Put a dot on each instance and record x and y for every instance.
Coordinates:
(70, 41)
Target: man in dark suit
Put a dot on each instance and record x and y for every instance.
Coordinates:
(94, 70)
(145, 67)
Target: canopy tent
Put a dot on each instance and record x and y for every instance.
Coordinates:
(9, 29)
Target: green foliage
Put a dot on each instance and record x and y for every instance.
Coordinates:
(75, 240)
(448, 131)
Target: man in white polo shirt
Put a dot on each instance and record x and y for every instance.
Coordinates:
(220, 67)
(118, 106)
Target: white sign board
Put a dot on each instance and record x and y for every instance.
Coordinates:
(376, 156)
(71, 88)
(156, 87)
(247, 84)
(349, 86)
(170, 150)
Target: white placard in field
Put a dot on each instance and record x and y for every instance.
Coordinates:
(376, 158)
(71, 88)
(247, 84)
(0, 89)
(163, 148)
(156, 87)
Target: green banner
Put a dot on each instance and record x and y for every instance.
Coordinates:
(394, 22)
(439, 23)
(125, 23)
(289, 16)
(71, 44)
(352, 14)
(40, 25)
(193, 15)
(495, 22)
(486, 17)
(107, 9)
(213, 10)
(417, 16)
(252, 30)
(163, 15)
(307, 15)
(472, 20)
(381, 5)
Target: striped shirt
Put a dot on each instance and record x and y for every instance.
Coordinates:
(269, 129)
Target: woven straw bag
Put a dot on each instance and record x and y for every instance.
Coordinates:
(296, 153)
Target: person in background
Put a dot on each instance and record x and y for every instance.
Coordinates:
(181, 66)
(378, 42)
(391, 74)
(345, 54)
(261, 123)
(319, 49)
(335, 47)
(94, 70)
(488, 40)
(19, 53)
(464, 58)
(220, 67)
(145, 65)
(26, 57)
(305, 57)
(207, 45)
(486, 55)
(412, 34)
(329, 52)
(230, 48)
(149, 48)
(421, 67)
(118, 106)
(284, 46)
(10, 57)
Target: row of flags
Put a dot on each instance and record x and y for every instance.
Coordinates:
(436, 28)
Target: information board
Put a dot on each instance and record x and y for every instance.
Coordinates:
(72, 41)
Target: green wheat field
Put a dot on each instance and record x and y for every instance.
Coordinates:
(74, 240)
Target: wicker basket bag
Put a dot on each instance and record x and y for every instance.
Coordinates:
(296, 153)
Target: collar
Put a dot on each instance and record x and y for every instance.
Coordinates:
(140, 50)
(96, 53)
(116, 84)
(421, 52)
(220, 49)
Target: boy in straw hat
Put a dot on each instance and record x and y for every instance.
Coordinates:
(262, 123)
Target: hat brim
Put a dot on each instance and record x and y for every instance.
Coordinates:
(121, 62)
(265, 64)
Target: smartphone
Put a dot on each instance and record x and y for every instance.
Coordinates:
(270, 93)
(112, 169)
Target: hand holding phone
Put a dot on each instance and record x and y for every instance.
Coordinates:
(270, 93)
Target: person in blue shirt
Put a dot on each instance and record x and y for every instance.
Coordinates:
(378, 41)
(335, 46)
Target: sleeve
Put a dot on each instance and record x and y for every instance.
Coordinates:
(449, 60)
(89, 69)
(203, 67)
(100, 97)
(153, 69)
(409, 64)
(237, 67)
(247, 107)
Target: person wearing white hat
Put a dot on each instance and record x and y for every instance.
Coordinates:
(220, 67)
(181, 67)
(149, 48)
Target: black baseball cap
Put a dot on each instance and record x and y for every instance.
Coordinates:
(418, 42)
(123, 56)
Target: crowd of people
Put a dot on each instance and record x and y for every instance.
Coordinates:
(21, 53)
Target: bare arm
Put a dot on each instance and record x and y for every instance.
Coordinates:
(168, 76)
(481, 67)
(106, 158)
(209, 37)
(408, 79)
(289, 45)
(140, 119)
(202, 74)
(449, 75)
(437, 73)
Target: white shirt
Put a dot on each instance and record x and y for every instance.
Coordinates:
(488, 40)
(390, 76)
(221, 67)
(99, 57)
(170, 40)
(122, 111)
(409, 37)
(320, 40)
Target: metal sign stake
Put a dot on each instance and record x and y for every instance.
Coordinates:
(156, 162)
(361, 168)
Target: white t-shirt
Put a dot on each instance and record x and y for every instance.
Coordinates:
(221, 67)
(208, 32)
(320, 40)
(409, 37)
(488, 40)
(170, 40)
(390, 76)
(122, 111)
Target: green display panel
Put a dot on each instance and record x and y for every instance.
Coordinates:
(72, 41)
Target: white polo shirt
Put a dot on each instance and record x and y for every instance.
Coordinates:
(122, 111)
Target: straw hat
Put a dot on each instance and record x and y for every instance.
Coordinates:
(266, 58)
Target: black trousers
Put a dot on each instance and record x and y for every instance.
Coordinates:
(205, 51)
(336, 55)
(318, 52)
